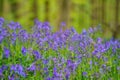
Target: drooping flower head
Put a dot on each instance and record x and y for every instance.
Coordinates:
(24, 51)
(32, 67)
(1, 21)
(6, 52)
(37, 55)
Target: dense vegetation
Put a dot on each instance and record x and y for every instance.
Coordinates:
(42, 54)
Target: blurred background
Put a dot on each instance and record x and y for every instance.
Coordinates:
(81, 14)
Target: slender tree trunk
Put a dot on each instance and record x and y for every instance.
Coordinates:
(14, 9)
(46, 10)
(64, 8)
(103, 11)
(35, 9)
(1, 7)
(117, 29)
(103, 14)
(93, 12)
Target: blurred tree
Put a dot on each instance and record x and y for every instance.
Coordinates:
(64, 9)
(47, 10)
(35, 9)
(103, 6)
(78, 13)
(1, 7)
(14, 8)
(117, 25)
(93, 12)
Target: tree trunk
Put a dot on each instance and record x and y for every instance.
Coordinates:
(93, 12)
(46, 10)
(1, 7)
(103, 11)
(117, 29)
(14, 9)
(64, 8)
(35, 9)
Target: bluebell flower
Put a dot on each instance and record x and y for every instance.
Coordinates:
(84, 73)
(18, 69)
(63, 24)
(38, 25)
(1, 21)
(67, 73)
(73, 30)
(6, 52)
(119, 57)
(48, 78)
(90, 30)
(45, 61)
(32, 67)
(104, 66)
(118, 68)
(23, 35)
(14, 37)
(37, 55)
(45, 69)
(55, 73)
(14, 25)
(12, 68)
(4, 67)
(1, 38)
(69, 63)
(1, 72)
(84, 32)
(99, 40)
(11, 78)
(24, 51)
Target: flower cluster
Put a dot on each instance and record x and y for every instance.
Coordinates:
(62, 55)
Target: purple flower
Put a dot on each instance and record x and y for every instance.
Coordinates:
(84, 32)
(67, 73)
(1, 38)
(90, 30)
(18, 69)
(14, 36)
(84, 73)
(23, 35)
(55, 73)
(6, 52)
(12, 68)
(1, 72)
(45, 61)
(36, 54)
(11, 78)
(48, 78)
(99, 40)
(118, 57)
(73, 30)
(63, 24)
(1, 21)
(24, 51)
(14, 25)
(90, 62)
(4, 67)
(118, 68)
(69, 63)
(32, 67)
(104, 66)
